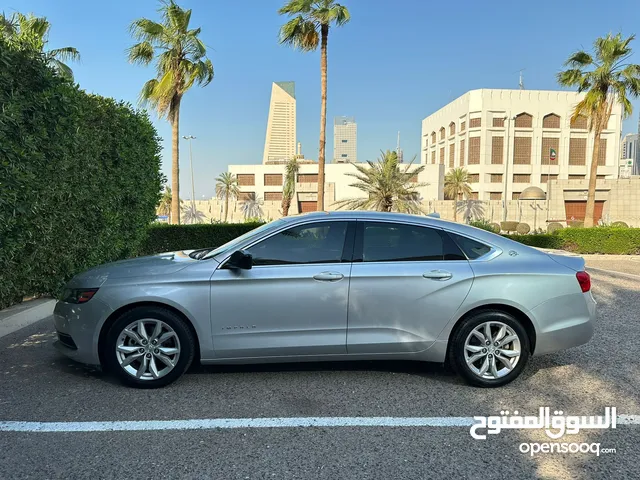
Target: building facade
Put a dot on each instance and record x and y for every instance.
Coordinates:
(265, 183)
(345, 140)
(509, 140)
(280, 141)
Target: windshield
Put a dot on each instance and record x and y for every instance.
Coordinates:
(247, 236)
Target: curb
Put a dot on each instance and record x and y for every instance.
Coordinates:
(26, 317)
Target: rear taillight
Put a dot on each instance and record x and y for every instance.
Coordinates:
(584, 280)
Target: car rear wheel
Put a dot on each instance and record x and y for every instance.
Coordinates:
(149, 347)
(489, 349)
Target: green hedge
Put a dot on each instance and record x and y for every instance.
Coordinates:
(167, 238)
(604, 240)
(609, 240)
(79, 177)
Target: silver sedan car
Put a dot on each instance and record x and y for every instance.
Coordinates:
(331, 286)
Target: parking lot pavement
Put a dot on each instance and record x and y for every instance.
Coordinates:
(39, 385)
(627, 264)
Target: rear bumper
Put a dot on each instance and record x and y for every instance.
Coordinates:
(564, 322)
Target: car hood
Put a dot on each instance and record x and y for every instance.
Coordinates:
(160, 264)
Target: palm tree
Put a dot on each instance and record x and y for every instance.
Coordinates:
(289, 189)
(192, 214)
(456, 185)
(227, 188)
(252, 207)
(181, 61)
(388, 187)
(608, 78)
(309, 28)
(164, 207)
(35, 32)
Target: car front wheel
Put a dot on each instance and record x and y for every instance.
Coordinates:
(149, 347)
(489, 349)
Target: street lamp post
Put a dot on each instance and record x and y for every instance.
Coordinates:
(193, 195)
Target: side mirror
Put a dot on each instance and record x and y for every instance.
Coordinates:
(240, 260)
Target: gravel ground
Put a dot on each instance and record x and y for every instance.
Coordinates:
(37, 384)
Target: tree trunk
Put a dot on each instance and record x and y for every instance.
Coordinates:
(286, 203)
(226, 207)
(324, 29)
(175, 165)
(593, 176)
(456, 198)
(601, 122)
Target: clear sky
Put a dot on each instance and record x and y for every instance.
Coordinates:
(394, 64)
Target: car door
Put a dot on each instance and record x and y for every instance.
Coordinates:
(293, 301)
(407, 281)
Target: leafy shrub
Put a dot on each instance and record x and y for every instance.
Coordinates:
(79, 176)
(523, 228)
(554, 227)
(604, 240)
(485, 225)
(619, 225)
(544, 240)
(167, 238)
(509, 226)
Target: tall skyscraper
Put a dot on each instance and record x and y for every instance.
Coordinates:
(345, 140)
(280, 142)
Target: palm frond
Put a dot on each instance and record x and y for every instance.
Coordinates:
(300, 33)
(141, 53)
(61, 68)
(65, 54)
(295, 7)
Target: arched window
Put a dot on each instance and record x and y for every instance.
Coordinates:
(452, 128)
(441, 133)
(551, 121)
(433, 137)
(524, 120)
(579, 123)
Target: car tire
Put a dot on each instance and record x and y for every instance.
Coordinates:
(157, 372)
(465, 344)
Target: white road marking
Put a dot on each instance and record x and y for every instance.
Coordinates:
(234, 423)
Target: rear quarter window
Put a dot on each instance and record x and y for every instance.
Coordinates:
(471, 248)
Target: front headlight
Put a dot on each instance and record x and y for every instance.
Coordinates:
(78, 295)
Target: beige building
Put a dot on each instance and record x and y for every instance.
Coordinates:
(265, 182)
(506, 138)
(280, 141)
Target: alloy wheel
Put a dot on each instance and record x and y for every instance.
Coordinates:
(492, 350)
(148, 349)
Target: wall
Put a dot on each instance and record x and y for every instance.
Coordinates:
(621, 197)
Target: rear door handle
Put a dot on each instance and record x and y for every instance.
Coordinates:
(328, 276)
(438, 275)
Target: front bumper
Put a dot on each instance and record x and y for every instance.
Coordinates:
(80, 325)
(564, 322)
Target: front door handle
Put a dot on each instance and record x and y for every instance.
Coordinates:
(328, 276)
(438, 275)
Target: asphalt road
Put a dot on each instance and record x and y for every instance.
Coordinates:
(39, 385)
